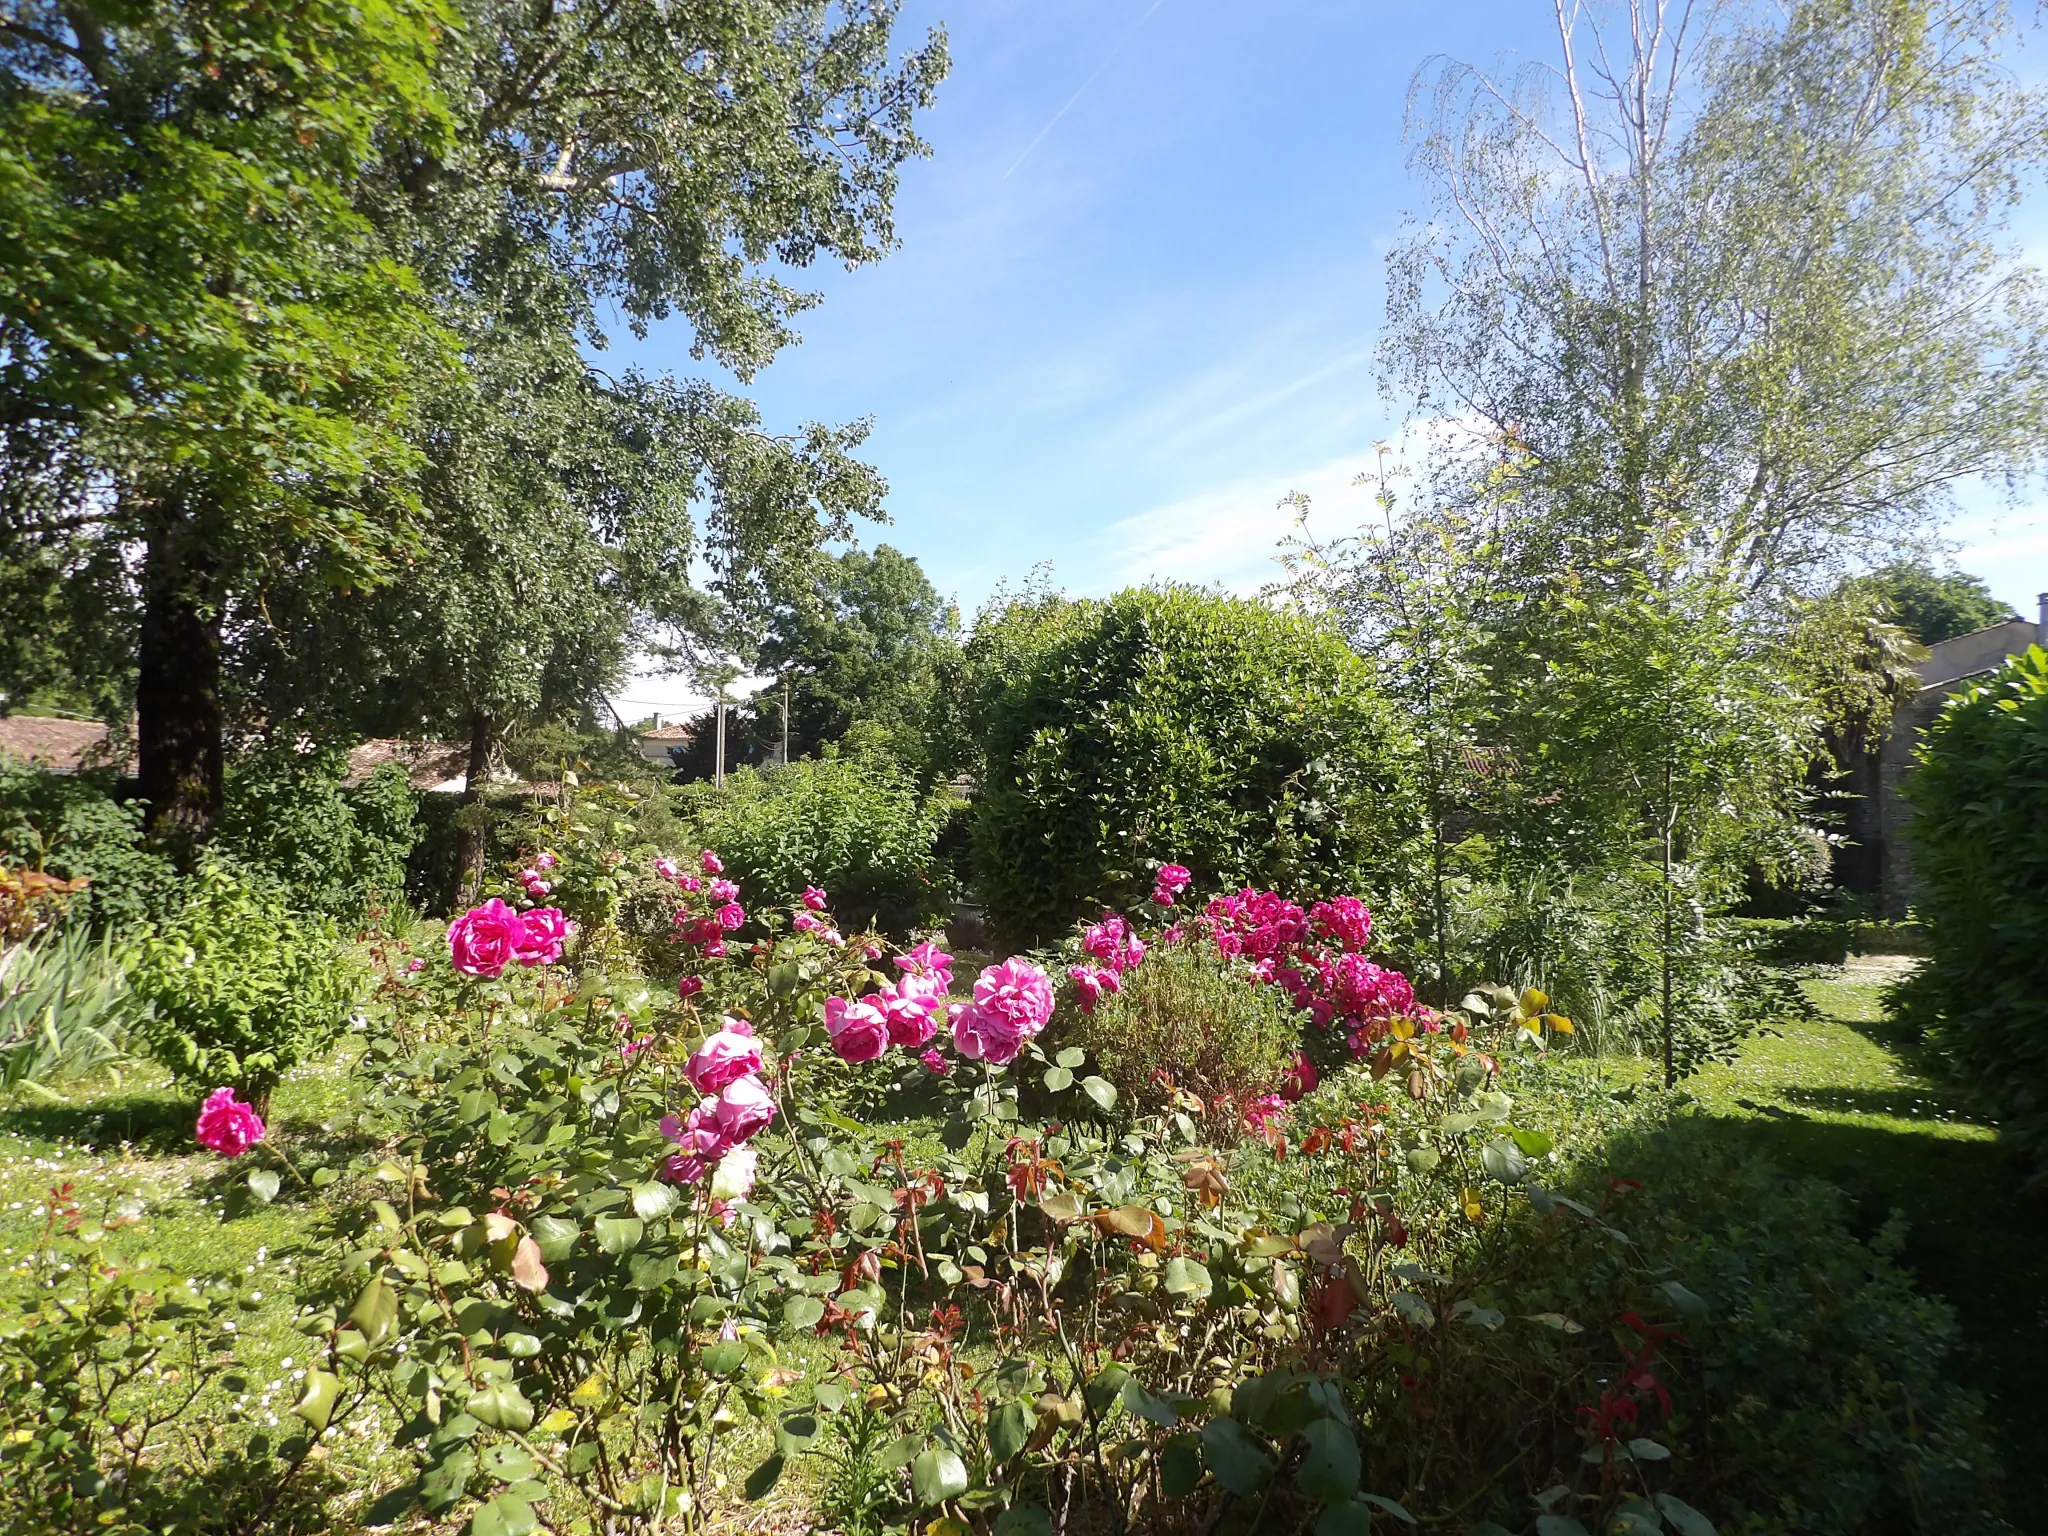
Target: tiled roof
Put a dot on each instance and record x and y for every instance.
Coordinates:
(427, 764)
(668, 733)
(64, 746)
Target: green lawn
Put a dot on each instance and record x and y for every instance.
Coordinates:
(1841, 1096)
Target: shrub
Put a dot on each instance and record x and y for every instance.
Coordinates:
(1172, 723)
(288, 813)
(1979, 836)
(1200, 1018)
(70, 825)
(237, 988)
(860, 827)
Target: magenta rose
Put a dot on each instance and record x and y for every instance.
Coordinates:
(485, 939)
(724, 1058)
(731, 915)
(227, 1125)
(934, 1062)
(689, 986)
(1018, 990)
(910, 1016)
(546, 932)
(1173, 878)
(859, 1029)
(723, 890)
(986, 1034)
(1300, 1079)
(928, 960)
(711, 862)
(814, 898)
(1091, 982)
(743, 1107)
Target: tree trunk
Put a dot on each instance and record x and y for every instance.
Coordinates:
(178, 715)
(472, 827)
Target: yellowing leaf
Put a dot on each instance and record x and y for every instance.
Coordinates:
(1534, 1001)
(1557, 1023)
(1402, 1029)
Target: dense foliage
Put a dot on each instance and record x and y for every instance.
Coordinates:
(1173, 723)
(1980, 848)
(862, 827)
(71, 825)
(334, 848)
(236, 987)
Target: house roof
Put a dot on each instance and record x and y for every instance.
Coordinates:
(427, 764)
(681, 732)
(63, 746)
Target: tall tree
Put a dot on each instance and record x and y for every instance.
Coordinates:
(865, 643)
(1734, 266)
(204, 354)
(1930, 605)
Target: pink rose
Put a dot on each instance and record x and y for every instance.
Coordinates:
(986, 1034)
(1162, 897)
(545, 861)
(726, 1057)
(927, 960)
(833, 936)
(690, 883)
(546, 932)
(743, 1108)
(723, 890)
(227, 1125)
(1091, 983)
(416, 964)
(667, 868)
(805, 922)
(859, 1030)
(731, 915)
(930, 989)
(689, 986)
(934, 1062)
(909, 1017)
(485, 939)
(1020, 991)
(814, 898)
(735, 1175)
(1259, 1112)
(1113, 943)
(1345, 920)
(712, 864)
(1173, 878)
(871, 950)
(715, 949)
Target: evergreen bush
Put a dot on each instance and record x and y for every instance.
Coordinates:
(1979, 837)
(1171, 723)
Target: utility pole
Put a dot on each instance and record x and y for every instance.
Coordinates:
(785, 711)
(718, 762)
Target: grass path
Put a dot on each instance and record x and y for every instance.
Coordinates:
(1841, 1096)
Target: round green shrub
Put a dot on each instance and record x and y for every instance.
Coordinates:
(290, 813)
(235, 988)
(1174, 725)
(1198, 1016)
(860, 827)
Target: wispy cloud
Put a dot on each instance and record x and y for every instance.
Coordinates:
(1063, 111)
(1230, 536)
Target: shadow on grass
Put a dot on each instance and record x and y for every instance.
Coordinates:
(1972, 1238)
(1904, 1103)
(155, 1122)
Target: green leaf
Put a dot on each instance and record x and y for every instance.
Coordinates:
(1024, 1520)
(444, 1483)
(1101, 1090)
(936, 1475)
(1239, 1463)
(375, 1313)
(1381, 1501)
(1684, 1519)
(263, 1185)
(1532, 1143)
(1184, 1277)
(1648, 1450)
(618, 1235)
(1503, 1161)
(653, 1200)
(502, 1406)
(1413, 1310)
(1008, 1428)
(1558, 1525)
(1058, 1080)
(763, 1478)
(317, 1405)
(556, 1236)
(506, 1515)
(1071, 1058)
(1329, 1467)
(1690, 1304)
(723, 1358)
(1105, 1385)
(1154, 1410)
(1424, 1159)
(800, 1312)
(1180, 1465)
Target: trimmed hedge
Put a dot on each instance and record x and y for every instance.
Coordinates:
(1175, 725)
(1980, 846)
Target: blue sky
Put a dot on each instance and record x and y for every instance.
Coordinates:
(1138, 289)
